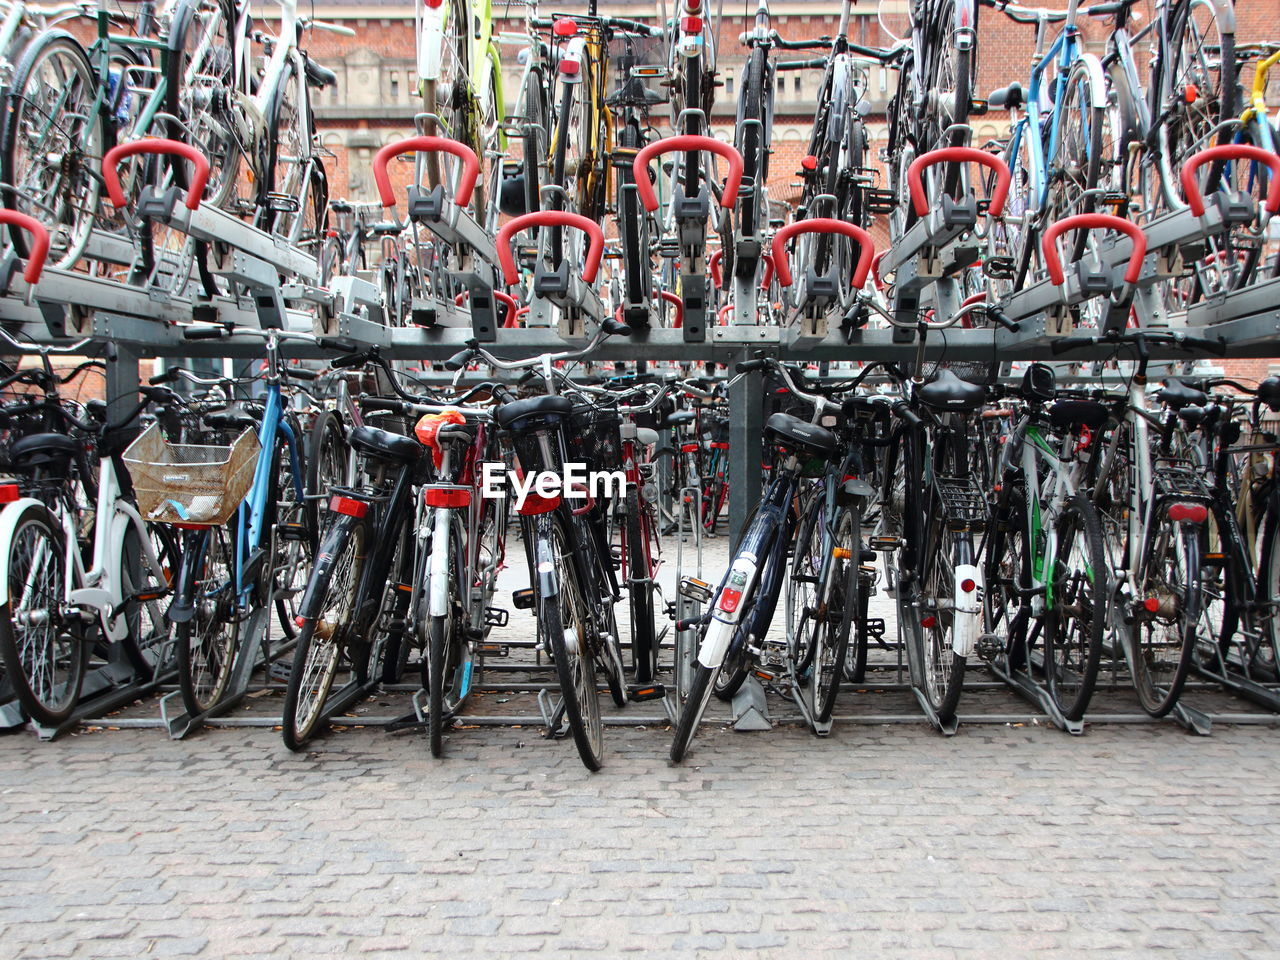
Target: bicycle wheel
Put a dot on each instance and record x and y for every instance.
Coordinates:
(1163, 634)
(751, 139)
(1076, 166)
(536, 140)
(447, 96)
(1076, 614)
(324, 638)
(834, 617)
(53, 133)
(142, 589)
(694, 707)
(199, 93)
(44, 653)
(644, 647)
(734, 668)
(293, 539)
(801, 594)
(565, 626)
(209, 641)
(295, 198)
(1007, 574)
(943, 669)
(1268, 657)
(326, 467)
(446, 637)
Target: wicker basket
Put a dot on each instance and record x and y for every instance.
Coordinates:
(187, 483)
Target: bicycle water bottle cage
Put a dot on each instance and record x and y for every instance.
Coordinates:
(551, 283)
(426, 204)
(158, 205)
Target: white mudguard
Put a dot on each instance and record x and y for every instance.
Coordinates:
(10, 517)
(967, 625)
(431, 40)
(725, 616)
(438, 564)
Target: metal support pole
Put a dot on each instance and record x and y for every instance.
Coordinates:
(122, 383)
(746, 420)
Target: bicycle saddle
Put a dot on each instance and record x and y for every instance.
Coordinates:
(318, 76)
(1079, 413)
(793, 432)
(646, 437)
(1177, 394)
(42, 450)
(947, 392)
(1008, 97)
(509, 413)
(1269, 393)
(385, 445)
(678, 418)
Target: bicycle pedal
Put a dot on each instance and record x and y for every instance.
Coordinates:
(691, 588)
(874, 627)
(292, 531)
(978, 108)
(523, 599)
(283, 203)
(494, 650)
(670, 609)
(886, 543)
(999, 268)
(280, 671)
(496, 617)
(881, 201)
(638, 693)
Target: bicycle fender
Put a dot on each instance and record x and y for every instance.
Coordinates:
(318, 583)
(967, 625)
(9, 519)
(438, 564)
(728, 611)
(545, 569)
(431, 44)
(183, 608)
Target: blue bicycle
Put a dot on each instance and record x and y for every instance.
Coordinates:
(261, 556)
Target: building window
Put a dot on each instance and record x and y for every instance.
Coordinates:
(782, 86)
(796, 85)
(395, 85)
(728, 85)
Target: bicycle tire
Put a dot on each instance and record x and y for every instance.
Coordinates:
(1158, 698)
(734, 668)
(291, 556)
(830, 651)
(1083, 656)
(640, 592)
(292, 171)
(944, 669)
(81, 134)
(326, 466)
(147, 628)
(752, 141)
(575, 667)
(323, 637)
(442, 650)
(37, 536)
(691, 714)
(1007, 575)
(209, 559)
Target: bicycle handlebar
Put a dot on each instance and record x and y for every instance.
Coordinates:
(1218, 347)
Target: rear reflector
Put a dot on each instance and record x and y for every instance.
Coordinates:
(968, 586)
(929, 622)
(1188, 512)
(447, 497)
(534, 505)
(9, 492)
(691, 24)
(569, 67)
(729, 599)
(565, 27)
(688, 448)
(349, 506)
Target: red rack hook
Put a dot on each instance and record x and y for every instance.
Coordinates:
(111, 160)
(39, 242)
(470, 165)
(678, 302)
(866, 247)
(713, 264)
(508, 301)
(550, 218)
(687, 143)
(1093, 221)
(1229, 151)
(915, 175)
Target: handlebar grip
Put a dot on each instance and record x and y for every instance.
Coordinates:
(352, 360)
(1217, 347)
(502, 393)
(748, 366)
(342, 344)
(382, 403)
(998, 316)
(204, 333)
(302, 373)
(168, 376)
(615, 328)
(460, 359)
(906, 414)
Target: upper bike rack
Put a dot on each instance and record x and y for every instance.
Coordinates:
(687, 143)
(573, 293)
(452, 224)
(822, 293)
(39, 249)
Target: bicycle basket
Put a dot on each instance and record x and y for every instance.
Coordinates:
(594, 437)
(190, 483)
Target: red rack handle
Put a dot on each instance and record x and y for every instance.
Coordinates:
(915, 175)
(1229, 151)
(508, 301)
(767, 277)
(111, 161)
(678, 303)
(470, 165)
(39, 242)
(1093, 221)
(722, 317)
(686, 144)
(713, 264)
(866, 247)
(550, 218)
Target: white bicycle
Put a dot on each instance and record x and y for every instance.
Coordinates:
(55, 611)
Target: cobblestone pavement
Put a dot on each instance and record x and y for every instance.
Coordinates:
(881, 841)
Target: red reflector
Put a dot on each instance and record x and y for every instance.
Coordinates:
(441, 497)
(688, 448)
(435, 4)
(534, 504)
(809, 163)
(729, 599)
(929, 622)
(719, 445)
(968, 585)
(1152, 604)
(9, 492)
(693, 6)
(299, 620)
(570, 67)
(1188, 512)
(565, 27)
(1190, 93)
(691, 24)
(349, 506)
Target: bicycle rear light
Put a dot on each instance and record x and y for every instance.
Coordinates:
(349, 506)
